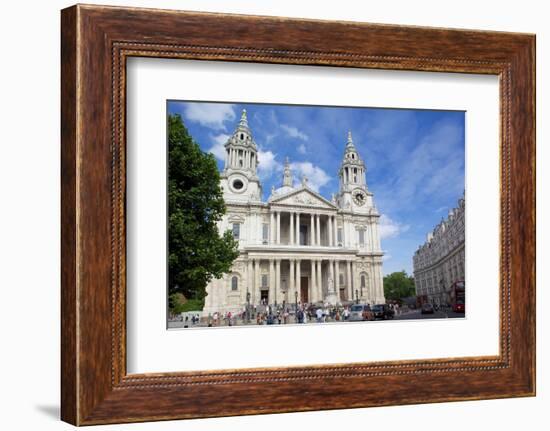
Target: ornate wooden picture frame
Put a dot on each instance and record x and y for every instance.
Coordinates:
(96, 42)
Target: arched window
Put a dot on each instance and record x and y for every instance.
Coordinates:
(363, 281)
(234, 282)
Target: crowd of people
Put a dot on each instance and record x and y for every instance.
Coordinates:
(265, 314)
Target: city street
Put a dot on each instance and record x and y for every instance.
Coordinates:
(416, 314)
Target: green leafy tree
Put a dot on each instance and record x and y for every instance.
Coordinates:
(197, 251)
(398, 285)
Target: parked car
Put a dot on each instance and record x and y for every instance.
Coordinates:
(382, 311)
(359, 312)
(458, 307)
(427, 308)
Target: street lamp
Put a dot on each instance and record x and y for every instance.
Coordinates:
(356, 296)
(248, 306)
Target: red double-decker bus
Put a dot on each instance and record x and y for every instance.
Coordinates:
(458, 296)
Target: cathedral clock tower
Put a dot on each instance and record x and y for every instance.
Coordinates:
(354, 194)
(239, 179)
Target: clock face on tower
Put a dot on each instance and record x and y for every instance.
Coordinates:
(359, 197)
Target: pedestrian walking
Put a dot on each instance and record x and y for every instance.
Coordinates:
(319, 315)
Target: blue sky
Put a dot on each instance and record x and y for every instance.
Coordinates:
(414, 158)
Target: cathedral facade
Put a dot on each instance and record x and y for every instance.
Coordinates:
(297, 247)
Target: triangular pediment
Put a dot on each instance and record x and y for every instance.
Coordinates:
(304, 197)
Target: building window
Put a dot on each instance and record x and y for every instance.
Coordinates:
(264, 280)
(265, 233)
(361, 238)
(363, 281)
(238, 184)
(341, 283)
(340, 234)
(236, 230)
(234, 282)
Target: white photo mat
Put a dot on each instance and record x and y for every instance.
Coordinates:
(153, 348)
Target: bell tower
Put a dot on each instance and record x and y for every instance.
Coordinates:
(354, 193)
(239, 178)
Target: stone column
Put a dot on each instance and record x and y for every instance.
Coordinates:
(331, 271)
(312, 233)
(291, 232)
(318, 230)
(336, 232)
(298, 275)
(271, 281)
(330, 237)
(337, 278)
(257, 274)
(250, 280)
(369, 234)
(297, 228)
(272, 228)
(313, 282)
(380, 280)
(348, 281)
(292, 281)
(277, 294)
(278, 227)
(320, 279)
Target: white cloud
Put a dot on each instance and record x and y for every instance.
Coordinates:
(293, 132)
(302, 149)
(269, 137)
(218, 148)
(389, 228)
(316, 176)
(211, 115)
(268, 164)
(434, 167)
(386, 257)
